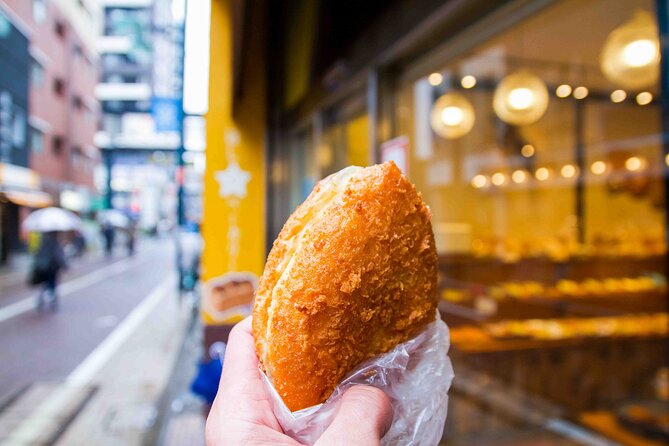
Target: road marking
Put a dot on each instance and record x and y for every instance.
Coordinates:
(89, 368)
(107, 321)
(69, 287)
(42, 418)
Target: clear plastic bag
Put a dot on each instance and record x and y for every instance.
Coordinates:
(416, 375)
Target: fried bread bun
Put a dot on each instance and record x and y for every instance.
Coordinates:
(352, 274)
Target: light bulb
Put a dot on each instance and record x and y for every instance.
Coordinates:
(435, 79)
(598, 167)
(521, 98)
(498, 179)
(634, 163)
(527, 150)
(644, 98)
(452, 116)
(468, 81)
(618, 96)
(666, 159)
(542, 174)
(630, 57)
(562, 91)
(518, 176)
(639, 53)
(580, 92)
(568, 171)
(479, 181)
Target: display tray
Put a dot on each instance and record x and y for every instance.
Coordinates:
(607, 424)
(491, 271)
(648, 418)
(470, 339)
(479, 309)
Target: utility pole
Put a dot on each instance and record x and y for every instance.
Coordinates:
(180, 170)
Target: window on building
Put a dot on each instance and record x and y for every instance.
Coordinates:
(77, 103)
(58, 144)
(60, 29)
(19, 127)
(59, 86)
(78, 53)
(39, 10)
(111, 60)
(36, 74)
(111, 124)
(76, 157)
(89, 114)
(36, 140)
(115, 106)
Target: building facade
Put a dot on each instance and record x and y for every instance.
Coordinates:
(60, 112)
(138, 52)
(15, 62)
(536, 131)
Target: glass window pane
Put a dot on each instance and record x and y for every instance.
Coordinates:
(540, 155)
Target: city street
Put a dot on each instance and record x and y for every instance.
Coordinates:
(94, 299)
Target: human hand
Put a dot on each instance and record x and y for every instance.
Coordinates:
(242, 413)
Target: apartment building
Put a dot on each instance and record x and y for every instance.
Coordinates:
(63, 113)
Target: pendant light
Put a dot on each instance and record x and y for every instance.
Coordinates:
(521, 98)
(452, 116)
(631, 54)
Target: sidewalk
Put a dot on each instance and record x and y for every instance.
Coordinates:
(114, 397)
(15, 272)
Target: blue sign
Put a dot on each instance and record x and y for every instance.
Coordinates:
(166, 114)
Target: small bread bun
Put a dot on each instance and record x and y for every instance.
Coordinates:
(352, 274)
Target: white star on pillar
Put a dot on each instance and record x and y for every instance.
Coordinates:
(232, 181)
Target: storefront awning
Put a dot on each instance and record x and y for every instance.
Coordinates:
(32, 199)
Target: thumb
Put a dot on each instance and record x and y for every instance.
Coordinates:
(363, 417)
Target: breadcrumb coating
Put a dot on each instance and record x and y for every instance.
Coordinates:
(352, 274)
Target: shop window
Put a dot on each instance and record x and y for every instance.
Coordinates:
(36, 74)
(539, 152)
(57, 145)
(36, 141)
(59, 87)
(39, 11)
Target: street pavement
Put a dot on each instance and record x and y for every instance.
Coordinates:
(95, 297)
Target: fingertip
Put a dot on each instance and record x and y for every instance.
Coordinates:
(375, 401)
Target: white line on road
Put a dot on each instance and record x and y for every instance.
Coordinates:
(43, 417)
(86, 371)
(27, 304)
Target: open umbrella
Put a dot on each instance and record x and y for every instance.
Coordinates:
(51, 219)
(114, 217)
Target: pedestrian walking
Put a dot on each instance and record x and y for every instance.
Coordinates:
(108, 233)
(79, 243)
(49, 261)
(130, 240)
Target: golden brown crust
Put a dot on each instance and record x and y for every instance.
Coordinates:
(362, 280)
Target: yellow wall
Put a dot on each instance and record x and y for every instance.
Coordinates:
(220, 212)
(299, 42)
(357, 141)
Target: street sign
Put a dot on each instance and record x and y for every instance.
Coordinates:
(166, 114)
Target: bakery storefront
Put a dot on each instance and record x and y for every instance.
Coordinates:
(536, 137)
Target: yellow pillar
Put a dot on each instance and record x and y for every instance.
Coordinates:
(233, 226)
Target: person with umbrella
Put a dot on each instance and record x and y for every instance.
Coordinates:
(110, 219)
(49, 258)
(49, 261)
